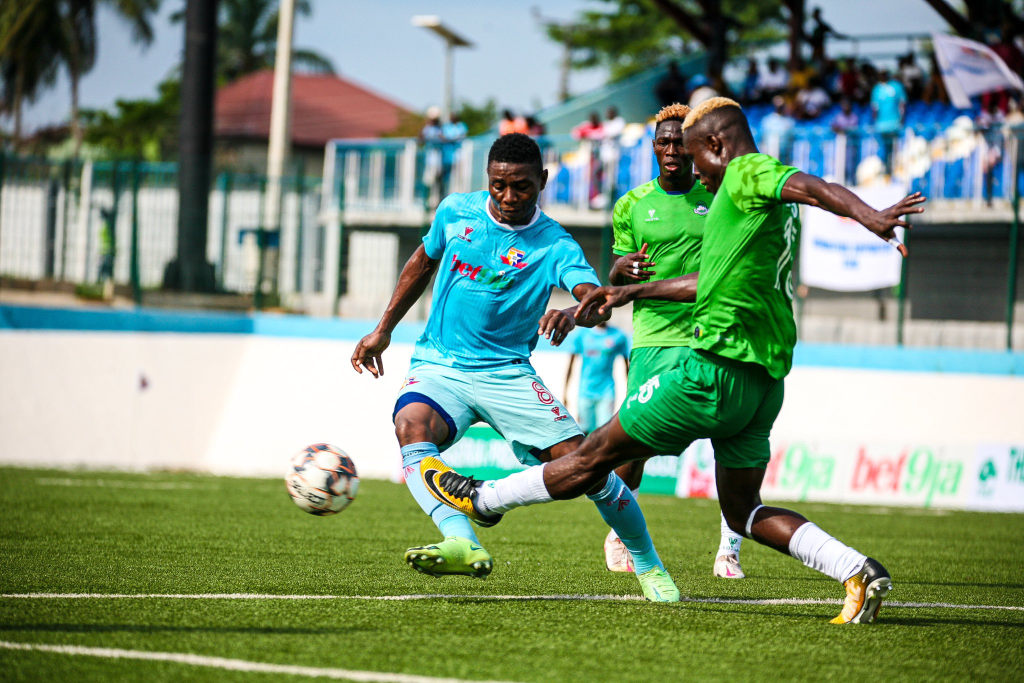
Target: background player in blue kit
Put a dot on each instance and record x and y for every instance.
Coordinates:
(598, 347)
(496, 256)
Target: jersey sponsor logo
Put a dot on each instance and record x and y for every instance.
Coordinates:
(543, 395)
(488, 277)
(701, 209)
(651, 216)
(514, 258)
(558, 414)
(465, 235)
(409, 381)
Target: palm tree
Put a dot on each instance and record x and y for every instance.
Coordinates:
(30, 43)
(247, 39)
(78, 25)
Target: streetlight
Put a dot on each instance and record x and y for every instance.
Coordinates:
(451, 40)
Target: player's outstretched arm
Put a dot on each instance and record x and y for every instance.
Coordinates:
(556, 324)
(601, 300)
(411, 283)
(804, 188)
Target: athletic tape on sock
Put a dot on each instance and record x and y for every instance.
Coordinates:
(750, 520)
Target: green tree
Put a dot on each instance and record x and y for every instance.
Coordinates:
(79, 40)
(138, 129)
(30, 41)
(247, 39)
(628, 36)
(478, 119)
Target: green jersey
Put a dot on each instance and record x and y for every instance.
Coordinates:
(744, 307)
(672, 225)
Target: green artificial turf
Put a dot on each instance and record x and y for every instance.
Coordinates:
(89, 532)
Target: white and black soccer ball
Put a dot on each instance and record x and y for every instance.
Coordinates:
(322, 479)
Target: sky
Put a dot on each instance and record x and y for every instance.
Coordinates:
(374, 43)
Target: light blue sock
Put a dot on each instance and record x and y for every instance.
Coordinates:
(620, 510)
(450, 522)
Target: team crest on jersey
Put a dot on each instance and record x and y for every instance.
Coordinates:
(465, 235)
(701, 209)
(514, 258)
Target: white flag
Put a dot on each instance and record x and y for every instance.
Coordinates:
(970, 68)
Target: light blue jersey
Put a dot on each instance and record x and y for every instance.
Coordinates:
(493, 284)
(598, 347)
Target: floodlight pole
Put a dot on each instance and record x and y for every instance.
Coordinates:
(280, 114)
(449, 74)
(451, 40)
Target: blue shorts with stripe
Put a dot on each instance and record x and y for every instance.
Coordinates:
(513, 400)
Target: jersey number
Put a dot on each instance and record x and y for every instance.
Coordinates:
(783, 276)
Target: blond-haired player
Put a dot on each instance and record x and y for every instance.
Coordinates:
(659, 227)
(730, 388)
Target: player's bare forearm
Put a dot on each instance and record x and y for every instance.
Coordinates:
(682, 289)
(411, 284)
(586, 318)
(369, 352)
(601, 300)
(811, 190)
(807, 189)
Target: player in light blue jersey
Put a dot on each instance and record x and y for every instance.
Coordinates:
(598, 347)
(496, 256)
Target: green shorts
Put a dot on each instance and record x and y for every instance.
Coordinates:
(732, 403)
(647, 361)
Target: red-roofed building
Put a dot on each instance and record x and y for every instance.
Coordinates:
(324, 107)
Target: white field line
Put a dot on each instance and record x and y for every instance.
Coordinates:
(451, 596)
(231, 664)
(118, 484)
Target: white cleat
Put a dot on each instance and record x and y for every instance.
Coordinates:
(616, 557)
(728, 567)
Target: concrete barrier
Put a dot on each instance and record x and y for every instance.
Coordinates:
(238, 395)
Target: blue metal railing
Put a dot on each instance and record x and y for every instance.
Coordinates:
(951, 163)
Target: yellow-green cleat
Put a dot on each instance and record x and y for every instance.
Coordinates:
(452, 556)
(658, 586)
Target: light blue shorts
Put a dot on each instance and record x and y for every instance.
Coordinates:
(513, 400)
(594, 412)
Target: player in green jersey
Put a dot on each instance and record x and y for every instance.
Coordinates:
(658, 230)
(731, 387)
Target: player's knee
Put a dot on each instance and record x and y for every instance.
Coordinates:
(409, 430)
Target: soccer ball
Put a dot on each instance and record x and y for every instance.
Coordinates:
(322, 479)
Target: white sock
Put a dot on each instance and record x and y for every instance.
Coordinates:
(731, 541)
(516, 490)
(821, 552)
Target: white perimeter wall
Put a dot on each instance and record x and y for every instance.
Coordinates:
(241, 405)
